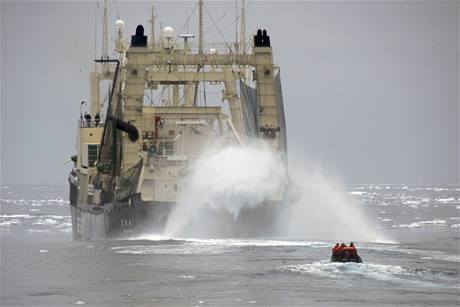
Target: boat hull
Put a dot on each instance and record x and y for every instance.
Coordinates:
(118, 219)
(134, 217)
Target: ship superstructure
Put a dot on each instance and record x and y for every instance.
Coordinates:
(132, 154)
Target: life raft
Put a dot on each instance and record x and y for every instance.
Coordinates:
(345, 256)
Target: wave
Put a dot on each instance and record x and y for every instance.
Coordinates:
(12, 216)
(38, 230)
(234, 242)
(210, 246)
(166, 250)
(422, 254)
(6, 220)
(166, 245)
(448, 200)
(337, 270)
(10, 222)
(379, 272)
(433, 223)
(46, 222)
(36, 202)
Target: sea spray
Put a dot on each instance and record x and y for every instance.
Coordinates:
(227, 182)
(224, 182)
(324, 212)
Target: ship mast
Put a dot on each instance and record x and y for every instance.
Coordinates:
(200, 46)
(243, 29)
(105, 40)
(152, 29)
(95, 39)
(200, 26)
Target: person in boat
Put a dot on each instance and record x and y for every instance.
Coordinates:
(352, 246)
(349, 252)
(345, 253)
(335, 252)
(342, 251)
(335, 249)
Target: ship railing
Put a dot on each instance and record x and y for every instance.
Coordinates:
(219, 47)
(83, 123)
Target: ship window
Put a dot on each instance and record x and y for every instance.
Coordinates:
(166, 148)
(93, 151)
(89, 154)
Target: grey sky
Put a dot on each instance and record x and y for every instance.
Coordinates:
(371, 89)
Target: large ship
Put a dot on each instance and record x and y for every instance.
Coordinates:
(134, 148)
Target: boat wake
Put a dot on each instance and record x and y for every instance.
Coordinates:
(347, 272)
(164, 246)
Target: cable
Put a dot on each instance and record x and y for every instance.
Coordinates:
(116, 9)
(224, 28)
(186, 23)
(221, 35)
(221, 17)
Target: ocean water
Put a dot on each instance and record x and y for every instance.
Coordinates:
(418, 264)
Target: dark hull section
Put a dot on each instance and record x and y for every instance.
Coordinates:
(262, 221)
(117, 220)
(134, 217)
(353, 258)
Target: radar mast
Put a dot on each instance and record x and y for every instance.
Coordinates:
(152, 44)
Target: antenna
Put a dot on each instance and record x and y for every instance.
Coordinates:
(243, 29)
(236, 27)
(200, 26)
(105, 40)
(161, 35)
(152, 29)
(95, 38)
(200, 46)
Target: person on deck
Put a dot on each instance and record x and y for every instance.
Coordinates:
(97, 119)
(88, 120)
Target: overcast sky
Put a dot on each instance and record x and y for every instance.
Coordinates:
(371, 89)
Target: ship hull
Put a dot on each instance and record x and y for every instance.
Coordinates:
(134, 217)
(118, 219)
